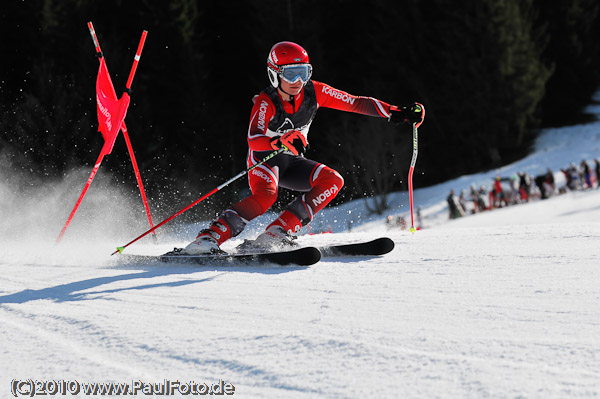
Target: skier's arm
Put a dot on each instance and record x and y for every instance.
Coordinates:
(262, 112)
(329, 97)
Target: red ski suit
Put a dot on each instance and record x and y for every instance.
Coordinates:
(272, 116)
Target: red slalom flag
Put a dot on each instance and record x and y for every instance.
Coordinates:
(111, 112)
(111, 115)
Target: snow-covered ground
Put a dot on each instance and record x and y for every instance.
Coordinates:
(501, 304)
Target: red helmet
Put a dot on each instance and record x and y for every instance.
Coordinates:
(289, 61)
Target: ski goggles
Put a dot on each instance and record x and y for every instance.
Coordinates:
(291, 73)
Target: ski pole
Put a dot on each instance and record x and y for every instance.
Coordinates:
(413, 161)
(410, 175)
(205, 196)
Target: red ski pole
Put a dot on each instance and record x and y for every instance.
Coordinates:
(413, 161)
(410, 176)
(205, 196)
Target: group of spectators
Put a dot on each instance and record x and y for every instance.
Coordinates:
(400, 222)
(522, 187)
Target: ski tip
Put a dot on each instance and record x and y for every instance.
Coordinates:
(384, 245)
(311, 256)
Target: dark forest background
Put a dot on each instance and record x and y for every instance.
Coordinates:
(490, 73)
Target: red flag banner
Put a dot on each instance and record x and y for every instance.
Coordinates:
(111, 111)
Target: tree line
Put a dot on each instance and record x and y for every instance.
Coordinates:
(490, 73)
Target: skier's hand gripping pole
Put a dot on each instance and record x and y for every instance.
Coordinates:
(205, 196)
(413, 113)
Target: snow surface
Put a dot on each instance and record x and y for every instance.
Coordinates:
(502, 304)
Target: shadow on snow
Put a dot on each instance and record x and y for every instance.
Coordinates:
(72, 291)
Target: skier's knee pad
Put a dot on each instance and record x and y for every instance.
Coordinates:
(327, 184)
(325, 176)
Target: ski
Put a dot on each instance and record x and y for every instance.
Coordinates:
(377, 247)
(302, 257)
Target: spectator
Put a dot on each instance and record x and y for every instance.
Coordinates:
(454, 208)
(483, 202)
(540, 182)
(394, 223)
(401, 222)
(514, 196)
(569, 181)
(597, 168)
(524, 186)
(551, 187)
(586, 173)
(574, 176)
(498, 199)
(474, 197)
(462, 200)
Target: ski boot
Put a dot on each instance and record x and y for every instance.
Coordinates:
(208, 240)
(275, 238)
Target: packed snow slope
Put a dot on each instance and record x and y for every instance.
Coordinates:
(501, 304)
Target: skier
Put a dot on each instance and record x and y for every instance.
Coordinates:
(281, 116)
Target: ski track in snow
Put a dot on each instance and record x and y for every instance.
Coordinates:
(502, 304)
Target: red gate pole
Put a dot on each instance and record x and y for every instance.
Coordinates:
(85, 188)
(120, 125)
(138, 178)
(136, 170)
